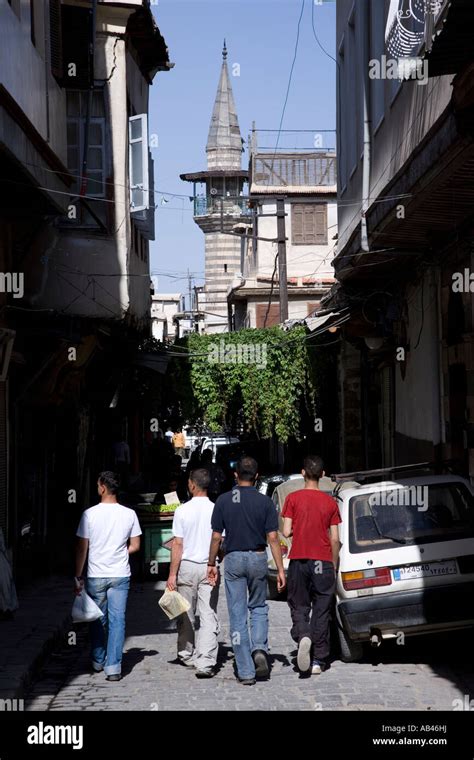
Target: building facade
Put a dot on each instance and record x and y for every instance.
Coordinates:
(405, 245)
(74, 232)
(307, 184)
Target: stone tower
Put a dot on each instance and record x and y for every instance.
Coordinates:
(220, 204)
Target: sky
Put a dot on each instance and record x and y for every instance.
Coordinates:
(261, 39)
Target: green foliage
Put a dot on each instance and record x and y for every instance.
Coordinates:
(265, 393)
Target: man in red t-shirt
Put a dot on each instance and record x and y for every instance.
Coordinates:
(311, 517)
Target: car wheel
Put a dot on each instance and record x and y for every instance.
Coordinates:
(351, 651)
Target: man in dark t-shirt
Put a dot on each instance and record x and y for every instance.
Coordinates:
(311, 517)
(249, 520)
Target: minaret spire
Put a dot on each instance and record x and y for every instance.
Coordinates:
(224, 144)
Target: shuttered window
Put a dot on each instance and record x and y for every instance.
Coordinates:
(72, 55)
(273, 315)
(55, 35)
(309, 224)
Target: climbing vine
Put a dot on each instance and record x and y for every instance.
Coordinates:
(258, 377)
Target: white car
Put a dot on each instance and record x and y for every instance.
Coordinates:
(406, 561)
(215, 442)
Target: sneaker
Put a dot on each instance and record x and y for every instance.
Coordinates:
(247, 681)
(317, 667)
(262, 669)
(96, 668)
(114, 677)
(205, 673)
(189, 663)
(303, 658)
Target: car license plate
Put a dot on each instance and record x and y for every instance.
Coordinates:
(426, 570)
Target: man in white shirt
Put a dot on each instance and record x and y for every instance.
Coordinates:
(110, 532)
(188, 574)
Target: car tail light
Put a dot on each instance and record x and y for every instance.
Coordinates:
(366, 578)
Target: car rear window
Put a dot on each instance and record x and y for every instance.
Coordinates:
(410, 515)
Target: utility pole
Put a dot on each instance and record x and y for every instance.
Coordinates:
(190, 295)
(282, 273)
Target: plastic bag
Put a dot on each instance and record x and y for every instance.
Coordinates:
(84, 609)
(173, 604)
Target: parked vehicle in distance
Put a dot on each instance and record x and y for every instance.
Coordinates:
(407, 559)
(215, 443)
(268, 483)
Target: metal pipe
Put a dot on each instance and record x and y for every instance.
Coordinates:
(366, 165)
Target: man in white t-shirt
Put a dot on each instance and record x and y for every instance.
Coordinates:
(109, 532)
(188, 574)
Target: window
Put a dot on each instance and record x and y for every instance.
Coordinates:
(76, 127)
(96, 156)
(273, 317)
(309, 224)
(70, 45)
(138, 158)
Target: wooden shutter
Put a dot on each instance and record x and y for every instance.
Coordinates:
(76, 46)
(273, 315)
(55, 39)
(321, 223)
(297, 226)
(309, 224)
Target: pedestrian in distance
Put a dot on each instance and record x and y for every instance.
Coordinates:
(107, 534)
(216, 475)
(249, 520)
(311, 518)
(179, 442)
(188, 574)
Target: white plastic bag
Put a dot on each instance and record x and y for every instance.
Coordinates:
(84, 609)
(173, 604)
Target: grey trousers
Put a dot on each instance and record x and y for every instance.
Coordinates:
(200, 647)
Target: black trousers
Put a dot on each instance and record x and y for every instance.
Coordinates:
(311, 587)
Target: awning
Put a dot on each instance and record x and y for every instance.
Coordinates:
(320, 322)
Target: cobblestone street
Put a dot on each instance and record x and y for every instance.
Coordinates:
(424, 674)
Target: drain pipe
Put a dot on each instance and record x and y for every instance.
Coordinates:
(83, 188)
(366, 165)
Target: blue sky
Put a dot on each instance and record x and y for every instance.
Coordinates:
(261, 38)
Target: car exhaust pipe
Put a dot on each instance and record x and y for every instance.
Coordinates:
(375, 637)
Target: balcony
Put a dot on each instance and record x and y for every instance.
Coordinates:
(289, 173)
(215, 205)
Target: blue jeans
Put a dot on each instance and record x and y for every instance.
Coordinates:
(108, 632)
(245, 576)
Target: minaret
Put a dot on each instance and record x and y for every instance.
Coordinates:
(223, 205)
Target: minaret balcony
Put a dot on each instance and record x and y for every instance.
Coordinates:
(213, 205)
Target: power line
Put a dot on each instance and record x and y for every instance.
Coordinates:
(289, 82)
